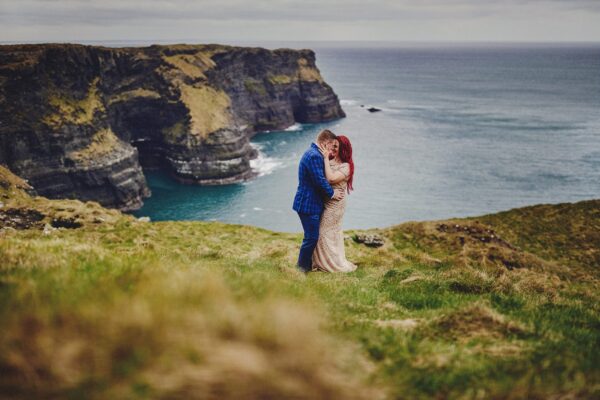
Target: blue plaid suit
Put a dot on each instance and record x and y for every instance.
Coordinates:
(308, 202)
(312, 184)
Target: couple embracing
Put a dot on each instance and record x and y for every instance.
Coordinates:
(324, 179)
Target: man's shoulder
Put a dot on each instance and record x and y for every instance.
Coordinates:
(311, 153)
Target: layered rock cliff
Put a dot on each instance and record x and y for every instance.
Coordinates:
(83, 121)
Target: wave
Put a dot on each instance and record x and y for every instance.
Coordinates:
(345, 102)
(264, 165)
(294, 128)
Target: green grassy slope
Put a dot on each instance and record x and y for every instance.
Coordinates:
(121, 308)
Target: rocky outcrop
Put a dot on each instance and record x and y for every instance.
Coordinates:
(83, 121)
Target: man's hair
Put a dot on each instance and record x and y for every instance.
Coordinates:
(326, 134)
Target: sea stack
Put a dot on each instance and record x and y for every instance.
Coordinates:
(84, 121)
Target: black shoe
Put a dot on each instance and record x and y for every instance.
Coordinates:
(306, 271)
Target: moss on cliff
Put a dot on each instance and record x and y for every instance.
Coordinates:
(308, 73)
(103, 143)
(133, 94)
(70, 110)
(209, 109)
(193, 65)
(255, 86)
(176, 132)
(281, 79)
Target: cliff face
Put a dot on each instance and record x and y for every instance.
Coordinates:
(81, 121)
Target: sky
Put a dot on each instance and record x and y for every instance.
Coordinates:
(231, 21)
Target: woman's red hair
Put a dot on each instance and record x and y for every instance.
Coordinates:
(345, 153)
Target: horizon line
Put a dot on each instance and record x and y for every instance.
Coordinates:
(207, 41)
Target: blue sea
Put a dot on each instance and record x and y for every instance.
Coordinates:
(464, 130)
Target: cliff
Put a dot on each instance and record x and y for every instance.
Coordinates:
(83, 121)
(506, 306)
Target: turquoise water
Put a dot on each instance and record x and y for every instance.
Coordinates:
(463, 131)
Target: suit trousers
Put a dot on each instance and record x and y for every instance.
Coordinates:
(310, 224)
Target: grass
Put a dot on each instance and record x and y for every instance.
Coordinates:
(255, 86)
(192, 65)
(103, 143)
(281, 79)
(134, 94)
(308, 73)
(209, 109)
(565, 233)
(69, 110)
(131, 309)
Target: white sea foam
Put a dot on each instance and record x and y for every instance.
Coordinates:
(262, 164)
(257, 209)
(346, 102)
(294, 128)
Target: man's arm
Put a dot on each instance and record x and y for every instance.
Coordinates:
(317, 175)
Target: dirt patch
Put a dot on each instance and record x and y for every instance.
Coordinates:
(479, 233)
(21, 218)
(69, 223)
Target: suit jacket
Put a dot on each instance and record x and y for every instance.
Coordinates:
(312, 184)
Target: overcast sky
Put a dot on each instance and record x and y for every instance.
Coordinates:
(295, 20)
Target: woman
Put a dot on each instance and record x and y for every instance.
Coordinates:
(329, 254)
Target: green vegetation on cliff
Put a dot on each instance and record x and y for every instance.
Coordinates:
(209, 109)
(123, 308)
(103, 143)
(69, 110)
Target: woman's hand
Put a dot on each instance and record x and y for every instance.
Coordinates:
(325, 151)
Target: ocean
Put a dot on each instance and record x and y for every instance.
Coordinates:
(464, 130)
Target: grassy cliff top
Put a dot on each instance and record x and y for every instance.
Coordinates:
(462, 308)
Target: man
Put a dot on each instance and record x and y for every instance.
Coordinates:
(312, 189)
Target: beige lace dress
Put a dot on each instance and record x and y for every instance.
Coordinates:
(329, 255)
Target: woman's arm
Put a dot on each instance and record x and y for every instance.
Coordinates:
(332, 176)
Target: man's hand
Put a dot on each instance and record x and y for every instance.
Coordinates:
(338, 194)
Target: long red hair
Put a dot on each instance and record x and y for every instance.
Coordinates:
(345, 153)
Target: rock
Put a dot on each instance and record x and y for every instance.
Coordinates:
(81, 121)
(373, 109)
(370, 240)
